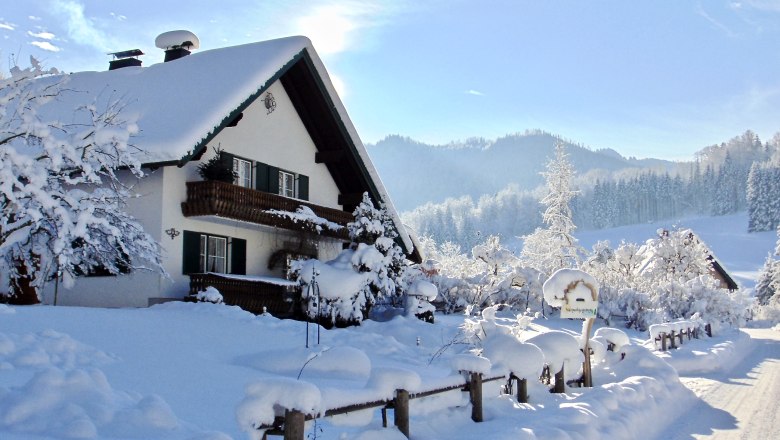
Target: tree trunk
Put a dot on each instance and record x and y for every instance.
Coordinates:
(22, 291)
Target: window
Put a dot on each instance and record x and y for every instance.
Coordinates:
(204, 252)
(213, 254)
(286, 184)
(243, 170)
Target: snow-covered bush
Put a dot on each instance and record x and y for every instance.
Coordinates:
(211, 295)
(334, 292)
(342, 291)
(492, 276)
(418, 300)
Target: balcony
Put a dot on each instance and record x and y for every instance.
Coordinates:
(226, 200)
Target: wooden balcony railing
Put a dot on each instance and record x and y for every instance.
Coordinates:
(232, 201)
(282, 301)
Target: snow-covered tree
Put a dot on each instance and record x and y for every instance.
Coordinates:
(554, 246)
(62, 186)
(765, 286)
(373, 237)
(676, 255)
(763, 196)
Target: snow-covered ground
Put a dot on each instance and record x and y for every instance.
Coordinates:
(206, 372)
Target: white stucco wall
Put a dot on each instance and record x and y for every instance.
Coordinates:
(131, 290)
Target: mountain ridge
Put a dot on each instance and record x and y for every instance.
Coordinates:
(416, 173)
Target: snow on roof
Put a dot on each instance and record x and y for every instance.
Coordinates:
(179, 103)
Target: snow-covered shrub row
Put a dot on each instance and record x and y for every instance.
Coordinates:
(492, 276)
(667, 278)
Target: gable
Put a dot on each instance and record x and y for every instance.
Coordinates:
(182, 106)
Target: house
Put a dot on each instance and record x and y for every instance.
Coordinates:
(302, 169)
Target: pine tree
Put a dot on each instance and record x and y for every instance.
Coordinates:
(765, 288)
(372, 236)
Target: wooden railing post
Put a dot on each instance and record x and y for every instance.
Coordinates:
(475, 395)
(560, 383)
(522, 390)
(401, 411)
(673, 344)
(293, 424)
(662, 335)
(708, 330)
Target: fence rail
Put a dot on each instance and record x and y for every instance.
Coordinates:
(291, 426)
(673, 332)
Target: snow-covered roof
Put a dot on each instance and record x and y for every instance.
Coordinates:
(179, 106)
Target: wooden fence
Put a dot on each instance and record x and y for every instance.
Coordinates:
(291, 425)
(691, 330)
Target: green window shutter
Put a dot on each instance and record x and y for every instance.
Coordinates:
(273, 180)
(261, 176)
(227, 162)
(238, 256)
(303, 187)
(191, 252)
(226, 159)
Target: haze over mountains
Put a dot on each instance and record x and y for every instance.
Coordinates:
(416, 173)
(463, 192)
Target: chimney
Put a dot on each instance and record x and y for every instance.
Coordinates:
(125, 58)
(177, 44)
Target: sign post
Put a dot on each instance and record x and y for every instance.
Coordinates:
(576, 293)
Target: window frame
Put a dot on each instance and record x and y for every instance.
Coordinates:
(245, 181)
(207, 255)
(283, 189)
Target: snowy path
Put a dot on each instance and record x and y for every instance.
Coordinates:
(743, 403)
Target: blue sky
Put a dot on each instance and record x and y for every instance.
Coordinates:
(649, 79)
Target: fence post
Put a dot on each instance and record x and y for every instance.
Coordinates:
(293, 424)
(560, 384)
(662, 335)
(522, 390)
(674, 344)
(475, 395)
(681, 337)
(401, 411)
(708, 330)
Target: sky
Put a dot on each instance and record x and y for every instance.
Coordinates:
(649, 79)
